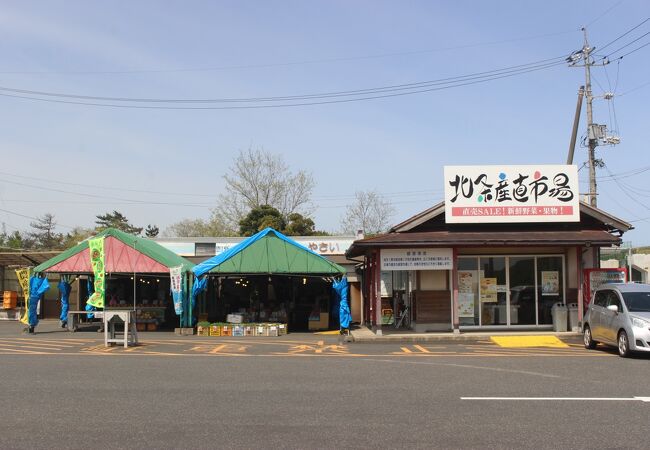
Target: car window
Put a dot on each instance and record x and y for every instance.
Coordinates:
(600, 299)
(637, 301)
(612, 299)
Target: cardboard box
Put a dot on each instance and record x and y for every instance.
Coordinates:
(203, 331)
(215, 330)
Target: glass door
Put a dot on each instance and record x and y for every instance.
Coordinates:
(522, 290)
(493, 290)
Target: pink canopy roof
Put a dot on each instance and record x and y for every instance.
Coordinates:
(118, 258)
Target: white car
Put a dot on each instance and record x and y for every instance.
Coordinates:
(619, 315)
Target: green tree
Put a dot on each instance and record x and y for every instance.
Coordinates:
(151, 231)
(76, 236)
(44, 236)
(116, 220)
(213, 227)
(299, 226)
(259, 218)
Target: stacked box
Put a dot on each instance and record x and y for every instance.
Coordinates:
(226, 330)
(140, 326)
(152, 326)
(238, 330)
(215, 329)
(9, 299)
(282, 329)
(273, 329)
(248, 329)
(203, 330)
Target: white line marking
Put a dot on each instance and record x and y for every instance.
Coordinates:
(573, 399)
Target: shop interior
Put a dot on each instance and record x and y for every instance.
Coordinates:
(304, 303)
(153, 301)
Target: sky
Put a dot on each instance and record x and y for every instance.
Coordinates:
(158, 166)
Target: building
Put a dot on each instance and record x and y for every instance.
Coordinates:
(458, 266)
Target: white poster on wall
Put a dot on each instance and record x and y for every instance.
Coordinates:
(504, 194)
(386, 284)
(416, 259)
(466, 304)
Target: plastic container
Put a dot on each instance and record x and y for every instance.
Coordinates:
(559, 313)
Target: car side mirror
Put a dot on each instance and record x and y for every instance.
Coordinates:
(613, 308)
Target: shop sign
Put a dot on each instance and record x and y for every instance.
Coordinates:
(499, 194)
(325, 246)
(417, 259)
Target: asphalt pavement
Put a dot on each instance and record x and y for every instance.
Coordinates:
(65, 390)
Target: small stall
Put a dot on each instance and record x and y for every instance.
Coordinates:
(268, 278)
(119, 271)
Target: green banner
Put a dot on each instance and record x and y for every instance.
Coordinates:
(96, 247)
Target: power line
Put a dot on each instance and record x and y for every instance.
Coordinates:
(623, 35)
(284, 105)
(627, 45)
(31, 217)
(604, 14)
(356, 92)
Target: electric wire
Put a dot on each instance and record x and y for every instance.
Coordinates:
(283, 105)
(623, 35)
(627, 45)
(549, 62)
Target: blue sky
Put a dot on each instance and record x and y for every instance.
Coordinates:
(397, 146)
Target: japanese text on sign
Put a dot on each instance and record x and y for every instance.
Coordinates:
(416, 259)
(546, 193)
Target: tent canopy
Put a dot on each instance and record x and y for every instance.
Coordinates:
(124, 253)
(268, 252)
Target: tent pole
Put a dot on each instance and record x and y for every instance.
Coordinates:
(134, 292)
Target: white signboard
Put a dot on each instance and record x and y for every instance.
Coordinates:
(498, 194)
(416, 259)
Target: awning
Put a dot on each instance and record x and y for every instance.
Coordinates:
(268, 252)
(124, 253)
(486, 238)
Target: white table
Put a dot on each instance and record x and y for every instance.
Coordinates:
(112, 336)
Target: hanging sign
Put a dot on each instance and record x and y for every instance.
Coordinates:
(23, 279)
(175, 275)
(416, 259)
(500, 194)
(96, 247)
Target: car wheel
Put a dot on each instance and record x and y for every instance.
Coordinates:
(589, 341)
(623, 344)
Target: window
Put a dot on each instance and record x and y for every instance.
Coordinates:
(204, 249)
(600, 299)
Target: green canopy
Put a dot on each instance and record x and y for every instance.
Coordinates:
(123, 255)
(268, 252)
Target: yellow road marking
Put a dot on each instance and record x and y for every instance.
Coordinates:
(333, 332)
(6, 344)
(422, 349)
(528, 341)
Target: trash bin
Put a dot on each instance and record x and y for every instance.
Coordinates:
(559, 313)
(573, 317)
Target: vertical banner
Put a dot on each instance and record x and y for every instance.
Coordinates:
(176, 288)
(23, 280)
(96, 247)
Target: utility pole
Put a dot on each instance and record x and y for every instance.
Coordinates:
(586, 51)
(596, 134)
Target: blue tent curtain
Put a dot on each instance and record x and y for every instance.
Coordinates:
(65, 288)
(90, 285)
(341, 288)
(37, 287)
(199, 285)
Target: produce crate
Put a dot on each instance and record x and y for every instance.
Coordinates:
(282, 329)
(9, 299)
(215, 329)
(248, 329)
(238, 330)
(152, 326)
(226, 330)
(203, 330)
(140, 326)
(273, 330)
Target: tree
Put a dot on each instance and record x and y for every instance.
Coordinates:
(151, 231)
(370, 213)
(260, 178)
(76, 235)
(299, 226)
(198, 228)
(259, 218)
(44, 236)
(15, 241)
(116, 220)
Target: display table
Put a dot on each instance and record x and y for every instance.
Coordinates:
(74, 319)
(111, 336)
